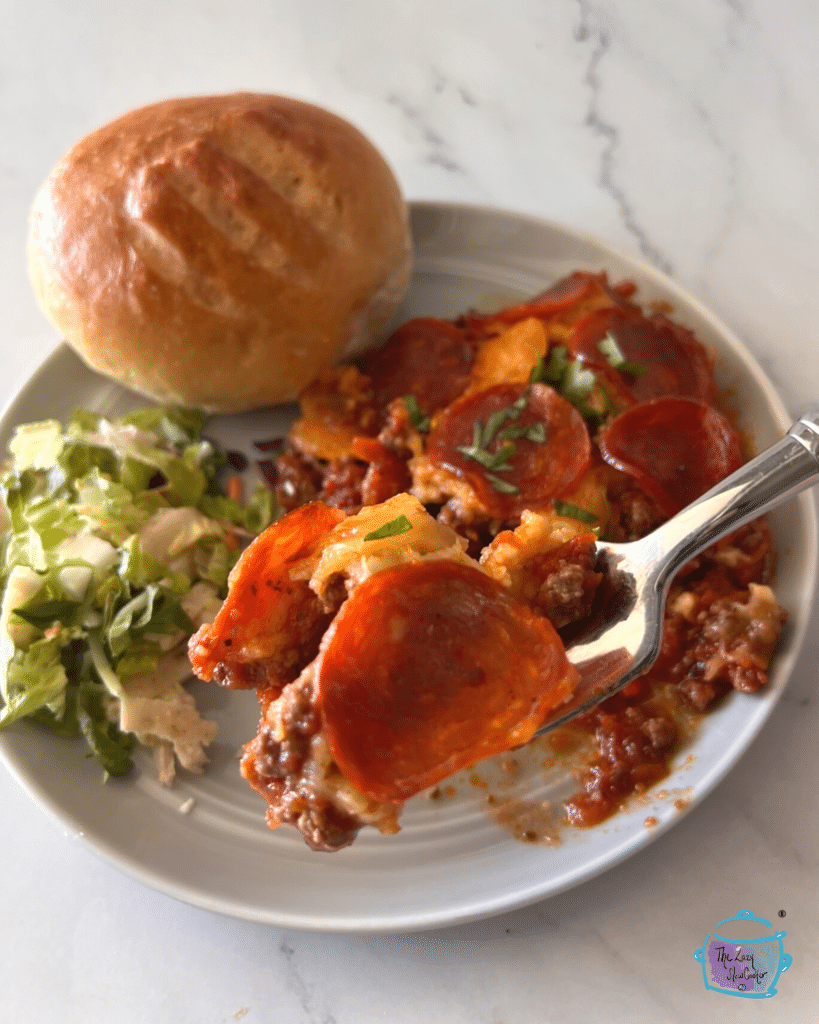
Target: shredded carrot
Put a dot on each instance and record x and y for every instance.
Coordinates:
(235, 489)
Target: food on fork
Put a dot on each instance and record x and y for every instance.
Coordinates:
(218, 252)
(385, 659)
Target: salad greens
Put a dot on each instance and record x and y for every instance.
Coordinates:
(118, 545)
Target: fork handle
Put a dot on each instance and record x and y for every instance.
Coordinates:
(789, 466)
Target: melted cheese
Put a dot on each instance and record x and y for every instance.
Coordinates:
(509, 357)
(349, 554)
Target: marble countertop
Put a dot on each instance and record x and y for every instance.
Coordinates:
(683, 131)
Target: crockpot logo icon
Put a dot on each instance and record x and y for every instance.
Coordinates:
(740, 965)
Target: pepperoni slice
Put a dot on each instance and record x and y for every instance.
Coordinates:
(676, 363)
(539, 470)
(431, 667)
(267, 614)
(675, 448)
(426, 357)
(570, 291)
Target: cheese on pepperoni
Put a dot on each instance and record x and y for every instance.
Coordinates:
(347, 552)
(385, 659)
(508, 357)
(538, 469)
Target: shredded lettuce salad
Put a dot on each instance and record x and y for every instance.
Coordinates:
(118, 545)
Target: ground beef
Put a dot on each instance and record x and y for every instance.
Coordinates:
(718, 636)
(334, 594)
(720, 629)
(746, 556)
(701, 694)
(274, 768)
(635, 742)
(255, 675)
(477, 534)
(296, 710)
(569, 581)
(294, 478)
(738, 638)
(637, 515)
(372, 475)
(399, 433)
(342, 484)
(271, 669)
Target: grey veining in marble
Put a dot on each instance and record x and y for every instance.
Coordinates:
(683, 130)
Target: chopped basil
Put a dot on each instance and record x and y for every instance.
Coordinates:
(614, 356)
(558, 363)
(538, 374)
(514, 432)
(578, 381)
(633, 369)
(489, 460)
(534, 432)
(609, 348)
(419, 420)
(391, 529)
(503, 486)
(499, 417)
(483, 436)
(575, 383)
(564, 508)
(537, 432)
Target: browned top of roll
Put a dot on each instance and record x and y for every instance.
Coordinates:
(220, 251)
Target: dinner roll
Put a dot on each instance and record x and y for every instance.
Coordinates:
(220, 251)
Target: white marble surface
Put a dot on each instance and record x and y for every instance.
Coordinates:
(684, 130)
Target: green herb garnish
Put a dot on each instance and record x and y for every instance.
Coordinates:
(391, 529)
(614, 356)
(538, 374)
(534, 432)
(610, 404)
(578, 381)
(555, 370)
(499, 417)
(419, 420)
(564, 508)
(489, 460)
(498, 461)
(503, 486)
(575, 381)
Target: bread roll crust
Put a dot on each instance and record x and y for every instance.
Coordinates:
(220, 251)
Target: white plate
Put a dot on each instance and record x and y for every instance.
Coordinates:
(450, 863)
